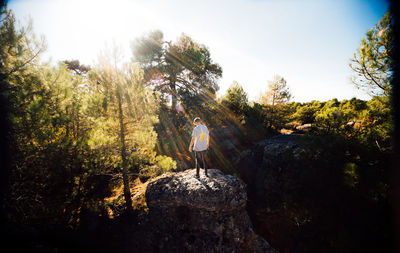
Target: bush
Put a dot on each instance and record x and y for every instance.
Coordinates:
(163, 164)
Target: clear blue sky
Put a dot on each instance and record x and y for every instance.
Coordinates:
(308, 42)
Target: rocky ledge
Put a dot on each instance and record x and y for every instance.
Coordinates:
(206, 214)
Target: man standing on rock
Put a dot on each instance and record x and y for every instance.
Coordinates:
(200, 143)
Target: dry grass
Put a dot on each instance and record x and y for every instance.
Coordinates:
(138, 195)
(286, 131)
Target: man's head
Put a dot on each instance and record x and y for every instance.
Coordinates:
(196, 121)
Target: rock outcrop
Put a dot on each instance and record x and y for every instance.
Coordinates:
(206, 214)
(274, 170)
(270, 165)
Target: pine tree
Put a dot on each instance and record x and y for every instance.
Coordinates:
(236, 98)
(124, 123)
(183, 68)
(372, 62)
(278, 92)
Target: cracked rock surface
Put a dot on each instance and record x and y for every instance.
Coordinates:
(206, 214)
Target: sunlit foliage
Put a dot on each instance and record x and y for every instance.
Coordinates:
(278, 92)
(123, 128)
(182, 68)
(236, 98)
(372, 62)
(65, 132)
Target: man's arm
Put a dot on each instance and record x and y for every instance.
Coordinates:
(192, 143)
(208, 141)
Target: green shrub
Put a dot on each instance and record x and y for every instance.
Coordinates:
(162, 165)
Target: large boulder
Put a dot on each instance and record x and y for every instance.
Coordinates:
(276, 171)
(206, 214)
(271, 162)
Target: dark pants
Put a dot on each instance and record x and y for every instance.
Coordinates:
(201, 156)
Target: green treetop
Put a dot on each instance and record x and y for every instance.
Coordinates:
(278, 92)
(373, 59)
(236, 97)
(176, 69)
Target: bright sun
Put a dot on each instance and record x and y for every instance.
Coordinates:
(81, 29)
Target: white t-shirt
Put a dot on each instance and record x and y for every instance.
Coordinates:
(201, 132)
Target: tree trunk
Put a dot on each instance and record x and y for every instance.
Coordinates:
(173, 95)
(273, 101)
(174, 101)
(125, 178)
(67, 123)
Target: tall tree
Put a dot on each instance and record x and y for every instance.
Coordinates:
(176, 69)
(278, 92)
(126, 114)
(373, 60)
(28, 113)
(236, 97)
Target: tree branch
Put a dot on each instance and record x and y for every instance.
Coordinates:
(371, 77)
(26, 62)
